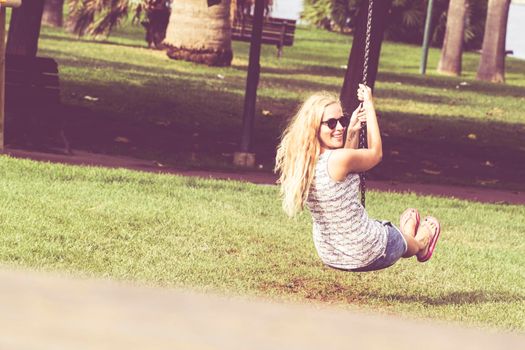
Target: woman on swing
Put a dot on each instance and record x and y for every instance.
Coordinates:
(318, 168)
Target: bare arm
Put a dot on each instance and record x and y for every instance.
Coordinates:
(373, 134)
(349, 160)
(352, 140)
(354, 128)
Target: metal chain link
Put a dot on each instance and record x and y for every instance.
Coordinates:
(362, 135)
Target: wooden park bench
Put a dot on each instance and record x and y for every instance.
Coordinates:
(32, 101)
(276, 31)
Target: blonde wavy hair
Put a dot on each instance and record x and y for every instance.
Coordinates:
(298, 151)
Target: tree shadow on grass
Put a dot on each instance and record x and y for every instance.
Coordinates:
(285, 73)
(71, 39)
(324, 71)
(144, 71)
(438, 150)
(490, 89)
(137, 69)
(434, 82)
(197, 123)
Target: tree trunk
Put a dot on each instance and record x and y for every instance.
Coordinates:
(450, 61)
(199, 33)
(492, 62)
(354, 72)
(363, 69)
(24, 28)
(53, 13)
(252, 80)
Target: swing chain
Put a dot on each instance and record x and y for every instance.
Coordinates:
(362, 139)
(367, 40)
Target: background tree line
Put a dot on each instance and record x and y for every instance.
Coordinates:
(457, 25)
(405, 21)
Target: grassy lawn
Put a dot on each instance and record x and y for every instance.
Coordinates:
(436, 129)
(232, 237)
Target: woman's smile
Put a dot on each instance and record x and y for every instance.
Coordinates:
(332, 138)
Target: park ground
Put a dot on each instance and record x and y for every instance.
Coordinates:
(120, 98)
(64, 312)
(163, 230)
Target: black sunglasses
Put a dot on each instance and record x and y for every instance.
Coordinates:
(332, 122)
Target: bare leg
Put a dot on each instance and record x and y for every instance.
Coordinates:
(408, 227)
(424, 234)
(414, 245)
(418, 245)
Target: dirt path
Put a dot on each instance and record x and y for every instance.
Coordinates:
(44, 311)
(93, 159)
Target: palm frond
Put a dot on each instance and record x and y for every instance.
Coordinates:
(97, 17)
(317, 12)
(412, 17)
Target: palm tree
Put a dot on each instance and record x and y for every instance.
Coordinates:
(492, 62)
(99, 17)
(53, 13)
(195, 31)
(199, 33)
(24, 28)
(450, 61)
(155, 16)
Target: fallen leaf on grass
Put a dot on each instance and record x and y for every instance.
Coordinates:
(121, 139)
(487, 182)
(428, 163)
(432, 172)
(472, 136)
(496, 112)
(266, 113)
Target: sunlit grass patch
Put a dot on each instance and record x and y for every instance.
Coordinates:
(232, 237)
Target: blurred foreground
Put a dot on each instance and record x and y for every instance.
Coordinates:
(45, 311)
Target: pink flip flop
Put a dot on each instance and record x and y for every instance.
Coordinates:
(433, 240)
(406, 216)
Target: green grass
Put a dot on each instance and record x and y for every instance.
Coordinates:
(232, 237)
(143, 87)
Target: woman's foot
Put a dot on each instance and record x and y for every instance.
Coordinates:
(428, 234)
(409, 222)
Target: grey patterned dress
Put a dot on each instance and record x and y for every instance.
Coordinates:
(344, 236)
